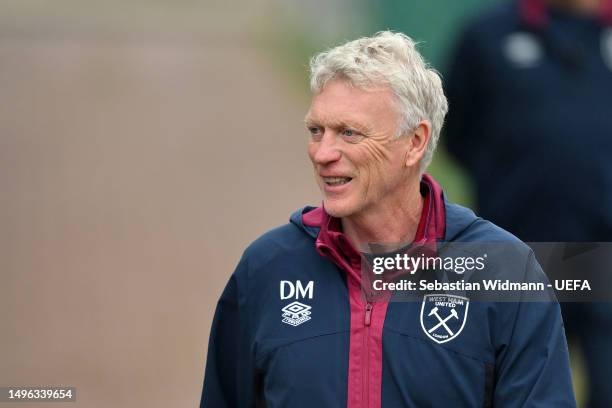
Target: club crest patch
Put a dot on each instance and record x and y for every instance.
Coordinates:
(443, 316)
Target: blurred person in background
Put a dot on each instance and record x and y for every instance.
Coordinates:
(530, 95)
(293, 327)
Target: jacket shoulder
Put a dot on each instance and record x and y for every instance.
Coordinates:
(485, 231)
(463, 226)
(286, 241)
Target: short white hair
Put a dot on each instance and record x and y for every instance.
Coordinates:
(391, 59)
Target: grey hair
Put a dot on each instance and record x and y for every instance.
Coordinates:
(391, 59)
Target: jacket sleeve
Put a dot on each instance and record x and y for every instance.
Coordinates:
(533, 370)
(228, 377)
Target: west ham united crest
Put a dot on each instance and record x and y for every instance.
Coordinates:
(443, 316)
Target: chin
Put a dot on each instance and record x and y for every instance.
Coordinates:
(339, 208)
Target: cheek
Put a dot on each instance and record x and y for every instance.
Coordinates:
(380, 169)
(373, 158)
(374, 152)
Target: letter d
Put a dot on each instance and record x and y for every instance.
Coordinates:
(283, 293)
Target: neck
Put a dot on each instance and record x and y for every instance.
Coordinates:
(587, 7)
(392, 222)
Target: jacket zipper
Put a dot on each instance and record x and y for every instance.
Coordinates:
(366, 355)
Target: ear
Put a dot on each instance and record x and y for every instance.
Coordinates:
(417, 144)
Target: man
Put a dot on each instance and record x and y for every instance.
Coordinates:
(293, 327)
(530, 87)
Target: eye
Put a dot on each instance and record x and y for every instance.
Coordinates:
(315, 132)
(351, 135)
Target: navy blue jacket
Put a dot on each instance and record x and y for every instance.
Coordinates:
(530, 118)
(263, 355)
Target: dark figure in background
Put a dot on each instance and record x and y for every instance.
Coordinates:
(530, 95)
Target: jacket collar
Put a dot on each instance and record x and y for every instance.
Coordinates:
(333, 243)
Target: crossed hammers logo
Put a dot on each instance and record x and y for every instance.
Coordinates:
(442, 323)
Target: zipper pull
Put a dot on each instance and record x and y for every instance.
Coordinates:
(368, 314)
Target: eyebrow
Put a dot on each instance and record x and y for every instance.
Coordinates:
(338, 124)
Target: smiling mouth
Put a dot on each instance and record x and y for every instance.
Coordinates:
(336, 181)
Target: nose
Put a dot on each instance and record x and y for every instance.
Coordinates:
(326, 150)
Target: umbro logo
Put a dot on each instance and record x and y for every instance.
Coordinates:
(296, 313)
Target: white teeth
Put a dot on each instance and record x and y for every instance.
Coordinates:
(336, 181)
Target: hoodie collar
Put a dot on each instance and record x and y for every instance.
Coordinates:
(333, 243)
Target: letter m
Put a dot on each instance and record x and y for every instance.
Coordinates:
(303, 291)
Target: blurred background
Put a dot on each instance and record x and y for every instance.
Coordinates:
(143, 145)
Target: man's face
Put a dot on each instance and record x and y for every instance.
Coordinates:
(357, 159)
